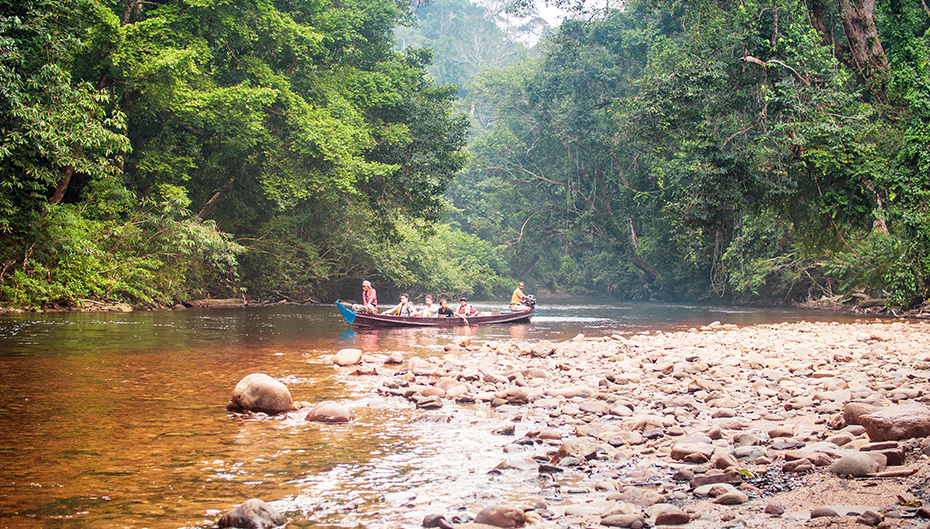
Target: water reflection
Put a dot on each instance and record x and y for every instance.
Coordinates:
(118, 420)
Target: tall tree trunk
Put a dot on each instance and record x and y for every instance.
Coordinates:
(62, 185)
(863, 53)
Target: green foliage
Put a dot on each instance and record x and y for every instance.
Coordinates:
(146, 255)
(445, 262)
(136, 136)
(712, 148)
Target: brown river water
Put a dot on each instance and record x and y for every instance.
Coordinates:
(118, 419)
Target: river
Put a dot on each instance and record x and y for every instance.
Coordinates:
(118, 419)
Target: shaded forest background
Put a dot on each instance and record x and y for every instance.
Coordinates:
(751, 151)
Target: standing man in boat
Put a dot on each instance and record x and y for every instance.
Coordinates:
(369, 299)
(517, 300)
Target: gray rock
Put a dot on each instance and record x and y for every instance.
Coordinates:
(859, 464)
(823, 512)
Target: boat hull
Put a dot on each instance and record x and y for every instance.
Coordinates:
(378, 320)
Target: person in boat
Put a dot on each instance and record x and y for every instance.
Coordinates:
(429, 310)
(444, 309)
(518, 299)
(369, 303)
(466, 310)
(404, 308)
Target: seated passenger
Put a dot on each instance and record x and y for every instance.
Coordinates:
(429, 310)
(466, 310)
(404, 308)
(444, 309)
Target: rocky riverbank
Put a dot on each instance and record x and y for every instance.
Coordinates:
(776, 426)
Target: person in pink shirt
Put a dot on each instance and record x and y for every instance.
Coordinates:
(369, 299)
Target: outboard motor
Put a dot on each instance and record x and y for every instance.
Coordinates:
(530, 301)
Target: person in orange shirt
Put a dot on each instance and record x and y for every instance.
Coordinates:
(517, 299)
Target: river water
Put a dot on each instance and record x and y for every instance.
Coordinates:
(118, 419)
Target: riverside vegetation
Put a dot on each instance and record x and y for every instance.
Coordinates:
(159, 151)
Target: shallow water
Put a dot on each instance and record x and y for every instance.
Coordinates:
(118, 420)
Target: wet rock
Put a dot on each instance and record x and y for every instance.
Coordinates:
(906, 421)
(260, 393)
(330, 412)
(436, 520)
(253, 514)
(501, 516)
(430, 402)
(347, 357)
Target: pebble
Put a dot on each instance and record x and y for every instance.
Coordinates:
(719, 415)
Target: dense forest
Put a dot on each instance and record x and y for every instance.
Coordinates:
(159, 151)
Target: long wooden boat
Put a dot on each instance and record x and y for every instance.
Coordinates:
(360, 319)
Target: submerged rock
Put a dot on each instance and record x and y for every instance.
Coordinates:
(253, 514)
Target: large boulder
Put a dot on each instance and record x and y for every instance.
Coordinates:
(253, 514)
(906, 421)
(261, 393)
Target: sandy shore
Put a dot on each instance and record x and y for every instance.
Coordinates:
(623, 431)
